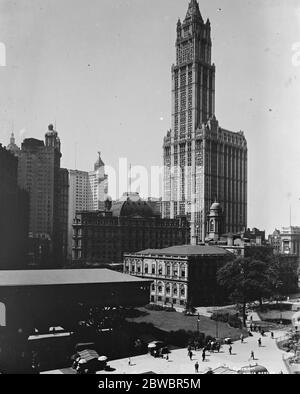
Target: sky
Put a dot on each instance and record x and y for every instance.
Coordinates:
(101, 71)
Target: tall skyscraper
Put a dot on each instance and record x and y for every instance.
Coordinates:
(14, 218)
(40, 174)
(203, 162)
(88, 191)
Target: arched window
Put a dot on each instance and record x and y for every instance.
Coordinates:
(168, 270)
(153, 287)
(146, 268)
(153, 269)
(160, 269)
(160, 287)
(175, 291)
(182, 291)
(168, 289)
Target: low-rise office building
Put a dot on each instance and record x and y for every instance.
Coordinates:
(182, 275)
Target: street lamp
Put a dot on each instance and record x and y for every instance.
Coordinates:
(198, 323)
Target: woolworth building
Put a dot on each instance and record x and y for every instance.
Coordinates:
(204, 163)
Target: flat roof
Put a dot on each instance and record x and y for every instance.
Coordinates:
(64, 277)
(186, 250)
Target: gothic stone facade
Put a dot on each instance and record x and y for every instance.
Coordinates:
(203, 162)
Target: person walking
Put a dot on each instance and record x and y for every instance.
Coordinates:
(272, 335)
(197, 367)
(191, 355)
(230, 350)
(203, 356)
(129, 361)
(259, 342)
(242, 338)
(252, 355)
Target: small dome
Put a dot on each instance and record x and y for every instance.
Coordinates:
(216, 206)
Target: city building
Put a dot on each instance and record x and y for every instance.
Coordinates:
(182, 275)
(14, 219)
(275, 241)
(87, 192)
(202, 161)
(127, 225)
(290, 240)
(39, 173)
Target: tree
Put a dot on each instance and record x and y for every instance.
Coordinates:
(246, 280)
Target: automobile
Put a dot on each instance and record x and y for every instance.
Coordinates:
(157, 348)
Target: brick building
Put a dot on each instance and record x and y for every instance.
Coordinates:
(129, 225)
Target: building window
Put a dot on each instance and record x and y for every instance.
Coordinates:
(132, 268)
(159, 298)
(181, 302)
(152, 299)
(153, 269)
(167, 299)
(168, 289)
(146, 268)
(174, 301)
(168, 270)
(182, 291)
(153, 287)
(160, 269)
(183, 273)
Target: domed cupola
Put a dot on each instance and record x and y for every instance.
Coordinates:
(214, 221)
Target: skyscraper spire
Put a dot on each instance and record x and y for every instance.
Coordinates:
(193, 10)
(12, 146)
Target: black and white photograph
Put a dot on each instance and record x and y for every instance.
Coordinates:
(149, 189)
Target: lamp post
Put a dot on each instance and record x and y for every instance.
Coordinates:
(198, 324)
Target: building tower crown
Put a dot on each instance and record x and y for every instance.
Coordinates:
(12, 146)
(52, 139)
(194, 11)
(99, 163)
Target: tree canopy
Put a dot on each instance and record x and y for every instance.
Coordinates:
(246, 280)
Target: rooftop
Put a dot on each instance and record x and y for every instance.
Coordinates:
(187, 250)
(64, 277)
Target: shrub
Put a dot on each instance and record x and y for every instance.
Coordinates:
(232, 319)
(154, 307)
(182, 338)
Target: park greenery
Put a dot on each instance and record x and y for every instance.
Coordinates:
(248, 280)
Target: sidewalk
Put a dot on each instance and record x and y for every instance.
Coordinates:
(179, 363)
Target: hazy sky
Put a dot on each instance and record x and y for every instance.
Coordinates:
(102, 70)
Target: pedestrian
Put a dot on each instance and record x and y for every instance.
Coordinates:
(191, 355)
(251, 318)
(272, 335)
(259, 342)
(129, 361)
(203, 356)
(252, 355)
(197, 367)
(242, 338)
(230, 350)
(167, 357)
(251, 327)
